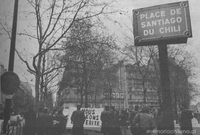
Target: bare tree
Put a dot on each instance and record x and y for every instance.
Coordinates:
(146, 59)
(48, 83)
(142, 58)
(85, 53)
(53, 21)
(109, 77)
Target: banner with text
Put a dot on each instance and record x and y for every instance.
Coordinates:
(92, 121)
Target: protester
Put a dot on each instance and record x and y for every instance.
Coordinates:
(115, 125)
(186, 122)
(123, 122)
(78, 119)
(59, 123)
(39, 123)
(48, 122)
(144, 121)
(30, 121)
(153, 112)
(44, 122)
(159, 121)
(132, 115)
(105, 118)
(197, 116)
(1, 111)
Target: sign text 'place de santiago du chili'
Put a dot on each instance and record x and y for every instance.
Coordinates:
(168, 23)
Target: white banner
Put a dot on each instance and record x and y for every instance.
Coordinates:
(92, 121)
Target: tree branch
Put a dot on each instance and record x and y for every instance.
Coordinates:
(29, 68)
(8, 32)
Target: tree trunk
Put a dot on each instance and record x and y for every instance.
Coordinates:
(144, 92)
(110, 96)
(81, 99)
(95, 98)
(159, 97)
(86, 95)
(175, 106)
(37, 81)
(37, 88)
(86, 100)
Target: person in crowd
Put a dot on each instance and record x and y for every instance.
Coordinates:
(197, 116)
(105, 119)
(186, 121)
(1, 112)
(48, 121)
(30, 121)
(123, 122)
(39, 126)
(132, 115)
(159, 121)
(115, 125)
(144, 121)
(44, 122)
(78, 119)
(59, 123)
(153, 112)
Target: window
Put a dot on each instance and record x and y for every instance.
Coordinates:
(121, 95)
(117, 95)
(113, 95)
(130, 97)
(130, 89)
(137, 84)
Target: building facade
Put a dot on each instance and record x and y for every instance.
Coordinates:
(68, 97)
(139, 87)
(127, 93)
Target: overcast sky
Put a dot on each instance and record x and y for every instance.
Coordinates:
(125, 22)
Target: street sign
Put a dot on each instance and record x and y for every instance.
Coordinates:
(9, 83)
(169, 23)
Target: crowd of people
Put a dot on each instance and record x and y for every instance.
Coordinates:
(44, 122)
(117, 122)
(142, 121)
(114, 122)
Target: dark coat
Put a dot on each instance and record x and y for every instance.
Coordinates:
(78, 119)
(145, 121)
(59, 124)
(132, 115)
(30, 118)
(30, 122)
(115, 124)
(106, 121)
(123, 119)
(186, 120)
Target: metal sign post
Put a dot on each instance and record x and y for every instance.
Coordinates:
(161, 25)
(167, 121)
(7, 109)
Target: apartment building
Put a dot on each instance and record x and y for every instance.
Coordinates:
(128, 91)
(135, 85)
